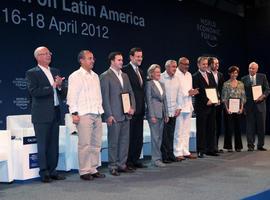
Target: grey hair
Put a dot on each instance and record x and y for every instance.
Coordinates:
(37, 51)
(169, 62)
(151, 69)
(253, 63)
(81, 54)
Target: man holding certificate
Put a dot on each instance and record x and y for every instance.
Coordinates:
(257, 90)
(119, 106)
(234, 98)
(205, 109)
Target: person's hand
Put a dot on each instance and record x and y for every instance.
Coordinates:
(177, 112)
(153, 120)
(111, 120)
(58, 81)
(240, 111)
(228, 111)
(75, 119)
(166, 120)
(193, 92)
(131, 111)
(261, 98)
(209, 102)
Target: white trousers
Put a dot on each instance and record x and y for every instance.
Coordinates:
(182, 134)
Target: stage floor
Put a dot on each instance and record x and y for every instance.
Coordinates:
(230, 176)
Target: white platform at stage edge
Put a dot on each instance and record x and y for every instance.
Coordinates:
(6, 163)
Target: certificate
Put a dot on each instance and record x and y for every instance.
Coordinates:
(256, 91)
(211, 94)
(234, 105)
(126, 102)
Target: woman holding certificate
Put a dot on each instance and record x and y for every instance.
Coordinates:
(234, 98)
(157, 112)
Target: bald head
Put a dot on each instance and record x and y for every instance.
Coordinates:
(253, 68)
(43, 56)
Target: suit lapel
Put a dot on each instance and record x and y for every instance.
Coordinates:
(42, 75)
(135, 77)
(112, 74)
(156, 89)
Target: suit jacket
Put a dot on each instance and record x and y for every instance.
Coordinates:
(220, 83)
(111, 89)
(42, 95)
(137, 88)
(201, 98)
(260, 80)
(156, 103)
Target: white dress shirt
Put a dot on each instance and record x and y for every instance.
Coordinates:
(119, 75)
(215, 74)
(185, 86)
(172, 90)
(157, 83)
(49, 76)
(84, 93)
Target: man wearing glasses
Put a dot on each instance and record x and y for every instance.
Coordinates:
(45, 88)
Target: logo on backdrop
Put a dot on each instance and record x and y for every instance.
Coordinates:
(209, 31)
(22, 102)
(20, 83)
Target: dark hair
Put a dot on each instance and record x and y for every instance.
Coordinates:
(133, 50)
(233, 69)
(81, 54)
(112, 55)
(211, 60)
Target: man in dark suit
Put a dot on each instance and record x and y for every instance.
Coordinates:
(213, 63)
(205, 110)
(44, 86)
(255, 109)
(113, 84)
(137, 81)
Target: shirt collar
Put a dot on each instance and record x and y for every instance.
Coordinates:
(133, 66)
(116, 72)
(85, 72)
(43, 68)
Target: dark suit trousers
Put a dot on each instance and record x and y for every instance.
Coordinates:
(135, 139)
(219, 120)
(255, 124)
(205, 136)
(233, 127)
(48, 145)
(167, 139)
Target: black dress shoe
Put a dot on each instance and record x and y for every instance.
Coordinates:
(98, 175)
(125, 170)
(200, 155)
(87, 177)
(250, 149)
(238, 150)
(220, 151)
(173, 159)
(114, 172)
(46, 179)
(212, 154)
(58, 177)
(139, 165)
(166, 161)
(262, 149)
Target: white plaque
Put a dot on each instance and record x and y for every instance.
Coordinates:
(211, 94)
(126, 102)
(234, 105)
(256, 91)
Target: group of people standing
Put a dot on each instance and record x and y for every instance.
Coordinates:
(122, 97)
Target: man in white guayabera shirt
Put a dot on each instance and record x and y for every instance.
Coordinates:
(183, 122)
(85, 104)
(172, 90)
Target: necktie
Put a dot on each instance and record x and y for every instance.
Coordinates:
(253, 80)
(206, 78)
(139, 76)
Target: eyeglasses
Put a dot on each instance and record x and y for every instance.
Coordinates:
(45, 54)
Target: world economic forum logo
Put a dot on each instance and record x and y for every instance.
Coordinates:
(21, 102)
(20, 83)
(209, 31)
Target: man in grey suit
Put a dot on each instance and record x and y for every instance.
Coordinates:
(255, 109)
(114, 83)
